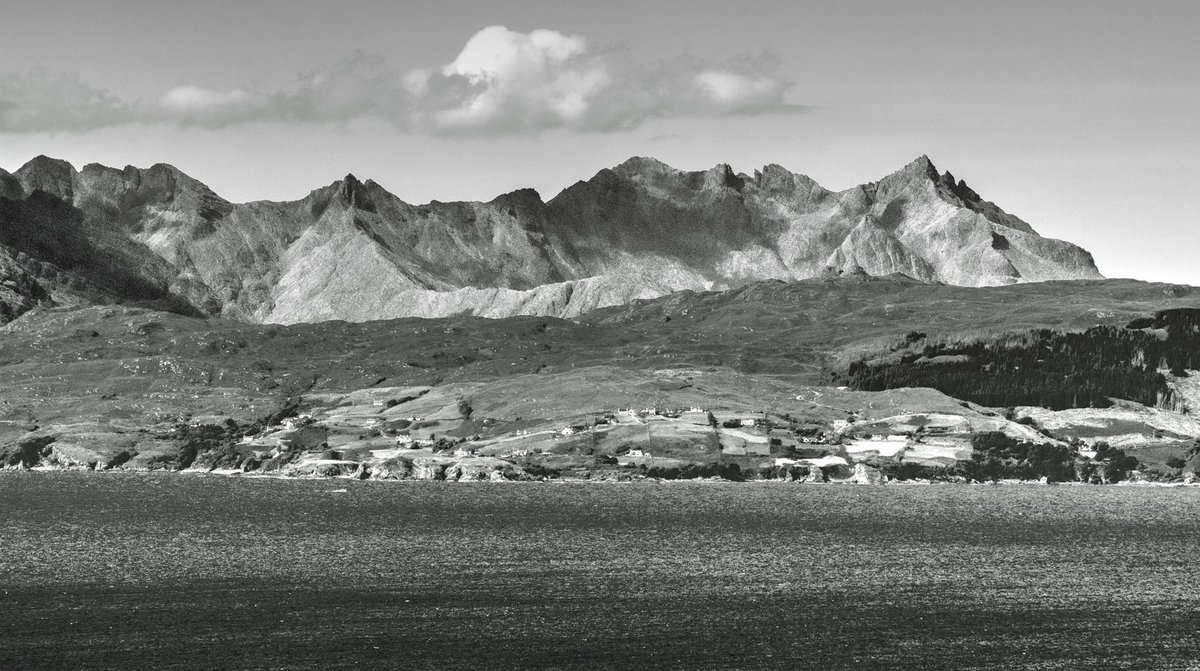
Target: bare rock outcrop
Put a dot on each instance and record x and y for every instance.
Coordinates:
(354, 251)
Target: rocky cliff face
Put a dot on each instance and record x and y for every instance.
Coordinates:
(354, 251)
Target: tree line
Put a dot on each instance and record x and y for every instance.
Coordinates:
(1043, 367)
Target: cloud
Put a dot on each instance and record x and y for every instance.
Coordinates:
(39, 100)
(195, 105)
(502, 82)
(510, 82)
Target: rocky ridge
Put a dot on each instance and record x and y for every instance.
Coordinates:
(354, 251)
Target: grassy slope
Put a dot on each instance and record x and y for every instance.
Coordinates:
(121, 377)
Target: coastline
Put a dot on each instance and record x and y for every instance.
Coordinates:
(631, 480)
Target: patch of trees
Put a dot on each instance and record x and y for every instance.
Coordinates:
(1111, 464)
(908, 470)
(1046, 368)
(996, 456)
(27, 452)
(443, 444)
(540, 471)
(204, 439)
(728, 471)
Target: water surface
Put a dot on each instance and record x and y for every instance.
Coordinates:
(119, 571)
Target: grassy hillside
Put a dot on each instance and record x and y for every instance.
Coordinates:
(119, 382)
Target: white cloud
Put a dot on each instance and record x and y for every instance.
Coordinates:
(497, 54)
(515, 81)
(510, 82)
(734, 92)
(502, 82)
(200, 106)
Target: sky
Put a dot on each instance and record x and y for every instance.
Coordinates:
(1079, 117)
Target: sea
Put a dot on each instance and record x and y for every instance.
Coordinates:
(178, 571)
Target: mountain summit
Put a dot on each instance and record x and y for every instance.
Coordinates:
(354, 251)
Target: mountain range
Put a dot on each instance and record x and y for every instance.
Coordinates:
(156, 237)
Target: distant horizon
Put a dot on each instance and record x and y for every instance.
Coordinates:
(1075, 116)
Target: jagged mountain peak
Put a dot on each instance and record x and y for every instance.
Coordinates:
(352, 250)
(722, 175)
(50, 175)
(349, 192)
(43, 163)
(522, 198)
(644, 166)
(919, 172)
(921, 165)
(774, 178)
(348, 187)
